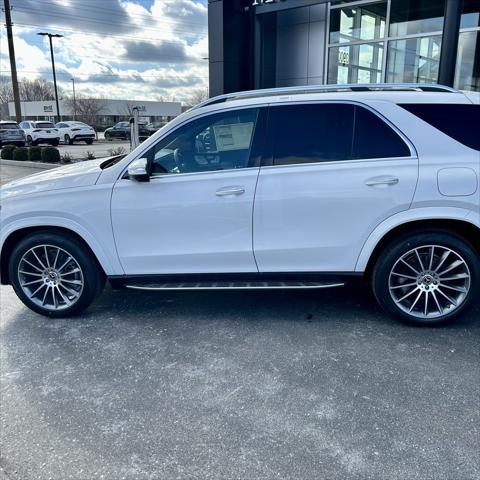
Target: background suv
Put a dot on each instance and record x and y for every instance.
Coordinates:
(274, 189)
(11, 134)
(40, 132)
(71, 132)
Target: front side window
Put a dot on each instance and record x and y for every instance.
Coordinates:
(330, 132)
(221, 141)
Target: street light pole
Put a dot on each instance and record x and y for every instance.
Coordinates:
(74, 101)
(50, 36)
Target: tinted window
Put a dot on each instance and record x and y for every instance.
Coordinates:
(375, 139)
(331, 132)
(460, 122)
(44, 125)
(215, 142)
(8, 126)
(311, 133)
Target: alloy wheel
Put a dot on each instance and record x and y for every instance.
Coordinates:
(50, 277)
(429, 282)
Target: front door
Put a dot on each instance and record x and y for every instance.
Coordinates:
(195, 214)
(334, 172)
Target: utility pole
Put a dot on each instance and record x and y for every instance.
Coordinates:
(13, 65)
(74, 101)
(50, 36)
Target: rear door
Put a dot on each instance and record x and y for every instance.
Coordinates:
(332, 172)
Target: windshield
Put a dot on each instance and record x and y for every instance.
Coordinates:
(44, 125)
(9, 126)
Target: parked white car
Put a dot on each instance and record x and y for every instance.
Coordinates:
(73, 131)
(40, 132)
(274, 189)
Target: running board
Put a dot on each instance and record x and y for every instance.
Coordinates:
(235, 285)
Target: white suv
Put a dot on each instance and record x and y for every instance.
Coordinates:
(40, 132)
(274, 189)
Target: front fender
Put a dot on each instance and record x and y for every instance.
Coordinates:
(84, 211)
(408, 216)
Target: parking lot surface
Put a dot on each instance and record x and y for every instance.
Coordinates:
(238, 385)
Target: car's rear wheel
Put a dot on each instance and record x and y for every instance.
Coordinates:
(428, 278)
(54, 274)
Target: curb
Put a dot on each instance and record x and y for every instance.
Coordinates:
(35, 165)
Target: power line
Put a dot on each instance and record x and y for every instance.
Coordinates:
(95, 9)
(62, 29)
(123, 74)
(102, 22)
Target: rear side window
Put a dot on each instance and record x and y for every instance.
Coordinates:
(330, 132)
(8, 126)
(460, 122)
(373, 138)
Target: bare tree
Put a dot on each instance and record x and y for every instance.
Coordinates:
(198, 95)
(30, 91)
(126, 110)
(37, 90)
(6, 95)
(87, 109)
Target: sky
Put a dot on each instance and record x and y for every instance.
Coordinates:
(122, 49)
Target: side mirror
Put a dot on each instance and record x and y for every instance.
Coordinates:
(138, 170)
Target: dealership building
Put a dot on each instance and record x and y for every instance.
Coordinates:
(277, 43)
(102, 111)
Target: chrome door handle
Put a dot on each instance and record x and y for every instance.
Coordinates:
(225, 191)
(379, 181)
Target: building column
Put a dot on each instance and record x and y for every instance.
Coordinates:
(448, 56)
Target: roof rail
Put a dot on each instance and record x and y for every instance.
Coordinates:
(352, 87)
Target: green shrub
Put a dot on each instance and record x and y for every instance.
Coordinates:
(20, 153)
(35, 154)
(7, 152)
(50, 155)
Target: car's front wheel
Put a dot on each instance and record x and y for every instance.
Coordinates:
(54, 274)
(68, 140)
(428, 278)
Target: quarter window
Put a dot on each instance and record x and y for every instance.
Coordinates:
(331, 132)
(216, 142)
(458, 121)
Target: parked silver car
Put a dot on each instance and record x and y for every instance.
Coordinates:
(11, 134)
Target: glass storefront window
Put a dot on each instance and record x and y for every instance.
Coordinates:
(414, 60)
(467, 70)
(410, 17)
(355, 63)
(366, 22)
(470, 14)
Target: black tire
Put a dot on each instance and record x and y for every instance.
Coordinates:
(92, 274)
(108, 137)
(29, 140)
(55, 143)
(89, 141)
(423, 240)
(68, 140)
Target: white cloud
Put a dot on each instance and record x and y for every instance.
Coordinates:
(118, 49)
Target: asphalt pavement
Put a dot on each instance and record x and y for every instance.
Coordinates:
(237, 385)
